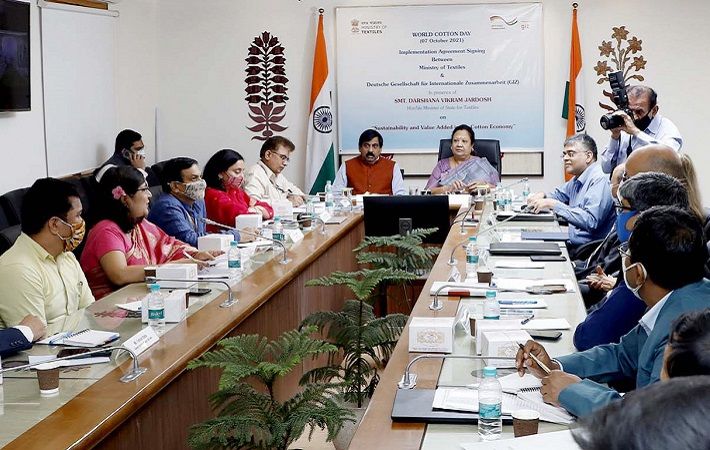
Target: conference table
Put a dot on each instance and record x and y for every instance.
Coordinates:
(377, 430)
(95, 409)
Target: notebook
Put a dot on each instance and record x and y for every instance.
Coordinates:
(84, 338)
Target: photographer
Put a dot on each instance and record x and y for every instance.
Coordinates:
(645, 127)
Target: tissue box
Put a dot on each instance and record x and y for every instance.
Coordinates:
(483, 325)
(174, 271)
(502, 343)
(214, 242)
(175, 306)
(248, 221)
(431, 334)
(283, 209)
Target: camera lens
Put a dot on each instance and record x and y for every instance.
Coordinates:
(609, 121)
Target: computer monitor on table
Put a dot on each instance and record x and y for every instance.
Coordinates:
(389, 215)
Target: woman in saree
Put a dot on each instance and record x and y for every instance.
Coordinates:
(120, 246)
(463, 171)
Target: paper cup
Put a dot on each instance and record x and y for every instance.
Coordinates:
(472, 322)
(478, 205)
(525, 422)
(48, 379)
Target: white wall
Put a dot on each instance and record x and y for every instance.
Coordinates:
(22, 133)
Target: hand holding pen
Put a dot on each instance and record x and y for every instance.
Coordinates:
(534, 358)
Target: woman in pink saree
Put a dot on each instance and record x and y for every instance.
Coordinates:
(120, 246)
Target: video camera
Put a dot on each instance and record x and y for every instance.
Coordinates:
(620, 99)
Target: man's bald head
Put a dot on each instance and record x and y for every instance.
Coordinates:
(655, 158)
(616, 179)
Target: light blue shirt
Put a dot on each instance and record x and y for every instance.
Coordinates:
(585, 202)
(341, 180)
(659, 131)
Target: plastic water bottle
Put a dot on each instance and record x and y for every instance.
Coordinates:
(329, 198)
(234, 260)
(156, 310)
(471, 257)
(499, 201)
(526, 190)
(278, 233)
(508, 200)
(491, 307)
(490, 397)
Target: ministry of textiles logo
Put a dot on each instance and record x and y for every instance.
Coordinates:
(364, 27)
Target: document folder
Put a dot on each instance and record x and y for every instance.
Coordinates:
(524, 248)
(415, 405)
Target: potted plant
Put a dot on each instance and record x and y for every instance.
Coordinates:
(249, 417)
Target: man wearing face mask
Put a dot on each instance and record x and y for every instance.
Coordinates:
(663, 266)
(181, 211)
(39, 274)
(369, 173)
(620, 311)
(129, 150)
(645, 127)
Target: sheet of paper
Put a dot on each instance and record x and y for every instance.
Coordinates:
(36, 359)
(521, 284)
(547, 324)
(518, 264)
(473, 289)
(514, 382)
(523, 303)
(557, 440)
(132, 306)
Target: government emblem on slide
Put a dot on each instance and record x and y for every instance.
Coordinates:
(323, 119)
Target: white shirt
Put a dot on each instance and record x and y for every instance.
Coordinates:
(648, 321)
(660, 131)
(263, 184)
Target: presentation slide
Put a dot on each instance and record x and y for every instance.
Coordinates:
(415, 72)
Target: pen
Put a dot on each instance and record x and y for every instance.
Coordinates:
(527, 319)
(59, 338)
(534, 358)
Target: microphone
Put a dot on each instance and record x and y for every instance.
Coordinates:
(225, 304)
(409, 379)
(452, 261)
(284, 259)
(510, 185)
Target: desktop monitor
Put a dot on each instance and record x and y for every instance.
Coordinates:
(14, 56)
(386, 216)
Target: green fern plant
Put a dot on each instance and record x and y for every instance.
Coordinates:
(409, 253)
(365, 341)
(248, 417)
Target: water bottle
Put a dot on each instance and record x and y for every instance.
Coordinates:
(234, 260)
(156, 310)
(311, 209)
(508, 200)
(471, 257)
(278, 230)
(329, 200)
(526, 190)
(490, 397)
(491, 307)
(499, 202)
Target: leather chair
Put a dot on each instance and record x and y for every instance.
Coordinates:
(8, 236)
(157, 170)
(11, 203)
(487, 148)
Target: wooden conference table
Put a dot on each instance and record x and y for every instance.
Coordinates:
(95, 409)
(378, 431)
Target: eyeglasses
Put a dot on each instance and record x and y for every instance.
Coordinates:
(284, 158)
(624, 250)
(143, 189)
(571, 153)
(621, 208)
(624, 177)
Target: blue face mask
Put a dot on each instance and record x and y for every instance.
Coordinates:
(621, 220)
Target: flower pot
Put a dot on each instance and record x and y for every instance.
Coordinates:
(342, 440)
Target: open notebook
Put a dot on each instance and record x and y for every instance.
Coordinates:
(518, 393)
(85, 338)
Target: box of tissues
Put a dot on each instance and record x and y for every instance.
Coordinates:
(173, 271)
(483, 325)
(431, 334)
(252, 221)
(502, 343)
(175, 306)
(214, 242)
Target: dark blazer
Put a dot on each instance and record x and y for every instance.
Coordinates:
(12, 341)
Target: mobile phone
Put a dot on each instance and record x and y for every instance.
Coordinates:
(547, 258)
(545, 335)
(198, 292)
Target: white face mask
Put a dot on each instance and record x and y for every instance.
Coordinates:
(634, 290)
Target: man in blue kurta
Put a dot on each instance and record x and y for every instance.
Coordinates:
(585, 200)
(663, 265)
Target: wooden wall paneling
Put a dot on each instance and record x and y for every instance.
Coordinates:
(85, 3)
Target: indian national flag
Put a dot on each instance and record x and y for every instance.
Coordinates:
(573, 108)
(320, 154)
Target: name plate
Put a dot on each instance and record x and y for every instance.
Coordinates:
(325, 216)
(141, 341)
(295, 236)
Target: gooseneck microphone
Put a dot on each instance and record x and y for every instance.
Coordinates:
(284, 259)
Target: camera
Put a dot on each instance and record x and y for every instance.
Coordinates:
(620, 99)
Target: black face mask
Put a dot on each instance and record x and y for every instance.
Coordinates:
(643, 122)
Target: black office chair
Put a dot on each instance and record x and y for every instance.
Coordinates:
(8, 236)
(487, 148)
(11, 203)
(157, 169)
(157, 191)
